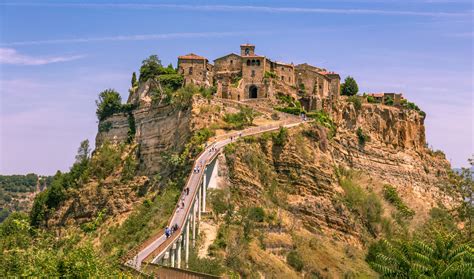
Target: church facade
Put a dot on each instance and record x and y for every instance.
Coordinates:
(248, 76)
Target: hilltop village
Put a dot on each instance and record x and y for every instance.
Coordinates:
(250, 76)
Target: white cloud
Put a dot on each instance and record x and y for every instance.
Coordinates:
(249, 8)
(11, 56)
(140, 37)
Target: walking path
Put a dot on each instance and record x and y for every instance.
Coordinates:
(158, 243)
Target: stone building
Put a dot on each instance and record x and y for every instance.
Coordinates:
(195, 69)
(383, 97)
(248, 75)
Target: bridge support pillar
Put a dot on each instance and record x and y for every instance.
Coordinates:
(166, 258)
(199, 203)
(173, 254)
(204, 188)
(178, 252)
(186, 244)
(194, 222)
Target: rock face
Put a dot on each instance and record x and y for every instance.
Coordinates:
(299, 176)
(158, 129)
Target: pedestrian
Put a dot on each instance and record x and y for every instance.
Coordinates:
(182, 204)
(176, 227)
(167, 232)
(187, 191)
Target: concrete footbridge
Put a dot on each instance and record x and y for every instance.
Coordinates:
(173, 250)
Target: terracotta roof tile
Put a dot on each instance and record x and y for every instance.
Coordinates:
(192, 56)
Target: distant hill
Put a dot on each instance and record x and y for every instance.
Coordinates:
(17, 192)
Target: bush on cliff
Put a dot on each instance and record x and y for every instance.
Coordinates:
(349, 87)
(239, 120)
(109, 102)
(152, 68)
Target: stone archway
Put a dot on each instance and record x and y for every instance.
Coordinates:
(253, 92)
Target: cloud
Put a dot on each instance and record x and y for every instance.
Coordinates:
(248, 8)
(12, 57)
(140, 37)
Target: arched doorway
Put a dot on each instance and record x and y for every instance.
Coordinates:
(253, 92)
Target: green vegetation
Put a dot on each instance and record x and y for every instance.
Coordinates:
(239, 120)
(29, 252)
(152, 68)
(438, 249)
(355, 100)
(269, 75)
(235, 79)
(391, 195)
(281, 137)
(412, 106)
(325, 120)
(109, 102)
(294, 259)
(371, 99)
(289, 104)
(365, 204)
(15, 192)
(208, 92)
(362, 137)
(349, 87)
(388, 101)
(147, 219)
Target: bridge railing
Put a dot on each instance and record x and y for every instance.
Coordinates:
(172, 239)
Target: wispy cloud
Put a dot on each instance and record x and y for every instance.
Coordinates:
(249, 8)
(141, 37)
(12, 57)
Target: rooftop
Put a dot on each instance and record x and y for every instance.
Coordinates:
(192, 56)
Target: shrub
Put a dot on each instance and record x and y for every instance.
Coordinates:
(362, 137)
(349, 87)
(391, 195)
(294, 260)
(269, 75)
(106, 158)
(290, 110)
(281, 137)
(109, 102)
(388, 101)
(257, 214)
(152, 68)
(104, 127)
(241, 119)
(355, 100)
(325, 120)
(371, 99)
(171, 81)
(366, 205)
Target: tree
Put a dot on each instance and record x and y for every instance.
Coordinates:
(442, 256)
(109, 102)
(83, 151)
(134, 79)
(151, 67)
(349, 87)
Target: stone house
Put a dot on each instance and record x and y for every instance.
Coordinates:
(248, 75)
(382, 97)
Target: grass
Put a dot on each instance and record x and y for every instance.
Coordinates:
(391, 195)
(150, 217)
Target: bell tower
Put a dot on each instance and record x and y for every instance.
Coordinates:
(247, 50)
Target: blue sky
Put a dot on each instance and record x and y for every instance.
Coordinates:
(56, 56)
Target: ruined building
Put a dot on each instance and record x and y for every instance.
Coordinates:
(251, 76)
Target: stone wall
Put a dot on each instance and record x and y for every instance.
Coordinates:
(158, 130)
(193, 70)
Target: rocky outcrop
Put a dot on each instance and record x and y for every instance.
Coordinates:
(299, 177)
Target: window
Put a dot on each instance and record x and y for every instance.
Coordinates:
(248, 62)
(253, 62)
(190, 70)
(258, 62)
(282, 78)
(253, 73)
(247, 51)
(231, 62)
